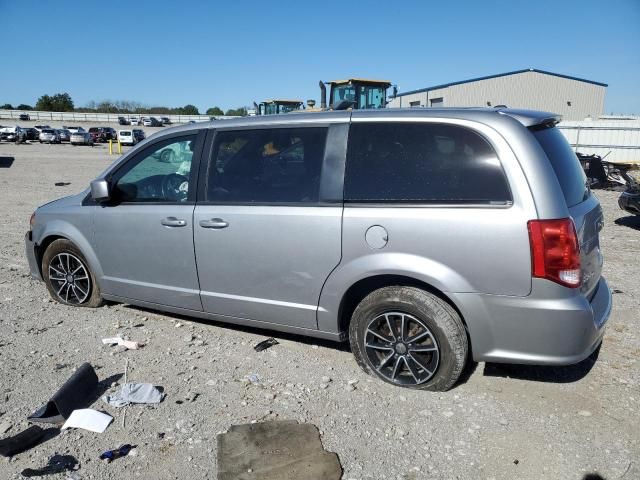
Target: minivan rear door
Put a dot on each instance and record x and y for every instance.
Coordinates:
(584, 207)
(267, 235)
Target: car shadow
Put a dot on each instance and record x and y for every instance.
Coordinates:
(541, 373)
(6, 162)
(631, 221)
(340, 346)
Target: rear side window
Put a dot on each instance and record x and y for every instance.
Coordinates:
(424, 163)
(565, 163)
(276, 165)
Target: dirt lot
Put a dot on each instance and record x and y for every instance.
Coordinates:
(501, 422)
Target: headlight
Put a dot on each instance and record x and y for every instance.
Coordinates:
(32, 220)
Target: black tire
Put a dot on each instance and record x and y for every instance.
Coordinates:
(62, 246)
(443, 322)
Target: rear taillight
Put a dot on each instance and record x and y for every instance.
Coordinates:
(555, 251)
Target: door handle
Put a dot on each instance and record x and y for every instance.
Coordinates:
(173, 222)
(214, 223)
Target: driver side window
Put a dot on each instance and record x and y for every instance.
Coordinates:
(160, 173)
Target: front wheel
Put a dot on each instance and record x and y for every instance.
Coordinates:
(68, 277)
(410, 338)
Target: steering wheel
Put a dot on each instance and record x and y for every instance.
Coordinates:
(175, 187)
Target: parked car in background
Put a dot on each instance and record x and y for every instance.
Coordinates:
(49, 135)
(81, 138)
(9, 134)
(64, 134)
(123, 121)
(424, 237)
(138, 134)
(165, 120)
(126, 137)
(32, 133)
(629, 200)
(24, 117)
(151, 122)
(103, 134)
(134, 121)
(41, 127)
(74, 129)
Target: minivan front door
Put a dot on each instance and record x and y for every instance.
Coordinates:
(144, 236)
(265, 240)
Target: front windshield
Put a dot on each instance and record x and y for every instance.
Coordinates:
(371, 96)
(363, 96)
(340, 93)
(290, 107)
(270, 109)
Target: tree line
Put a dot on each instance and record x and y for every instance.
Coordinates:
(62, 102)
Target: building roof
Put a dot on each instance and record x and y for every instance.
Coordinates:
(515, 72)
(361, 80)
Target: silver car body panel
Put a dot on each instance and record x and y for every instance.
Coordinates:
(144, 259)
(289, 267)
(270, 263)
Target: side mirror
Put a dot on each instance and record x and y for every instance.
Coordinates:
(100, 190)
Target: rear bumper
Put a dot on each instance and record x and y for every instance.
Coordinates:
(32, 259)
(553, 326)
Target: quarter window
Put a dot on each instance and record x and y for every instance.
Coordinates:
(420, 162)
(280, 165)
(161, 173)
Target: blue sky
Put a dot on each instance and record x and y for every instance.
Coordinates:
(231, 53)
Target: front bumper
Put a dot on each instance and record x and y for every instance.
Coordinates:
(32, 258)
(552, 326)
(630, 202)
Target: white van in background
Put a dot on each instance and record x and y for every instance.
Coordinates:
(126, 137)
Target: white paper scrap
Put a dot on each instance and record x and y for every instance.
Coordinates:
(88, 419)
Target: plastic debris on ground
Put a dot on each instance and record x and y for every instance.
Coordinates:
(88, 419)
(22, 441)
(122, 451)
(75, 393)
(130, 393)
(263, 345)
(280, 450)
(129, 344)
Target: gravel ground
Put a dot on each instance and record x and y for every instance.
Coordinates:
(500, 422)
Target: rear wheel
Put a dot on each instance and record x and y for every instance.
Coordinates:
(68, 277)
(410, 338)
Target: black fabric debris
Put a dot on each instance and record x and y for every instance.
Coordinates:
(263, 345)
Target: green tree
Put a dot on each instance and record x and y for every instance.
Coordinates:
(60, 102)
(7, 106)
(238, 112)
(190, 110)
(215, 111)
(24, 106)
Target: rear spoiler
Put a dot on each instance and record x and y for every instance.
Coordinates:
(532, 119)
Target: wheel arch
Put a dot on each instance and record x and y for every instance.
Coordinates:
(363, 287)
(66, 231)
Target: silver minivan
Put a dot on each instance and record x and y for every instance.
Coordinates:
(423, 237)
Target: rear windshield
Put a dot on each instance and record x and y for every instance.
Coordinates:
(566, 165)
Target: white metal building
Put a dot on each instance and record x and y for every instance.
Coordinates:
(573, 98)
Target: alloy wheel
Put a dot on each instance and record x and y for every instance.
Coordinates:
(69, 278)
(401, 348)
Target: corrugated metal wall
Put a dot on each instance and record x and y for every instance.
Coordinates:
(619, 140)
(532, 90)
